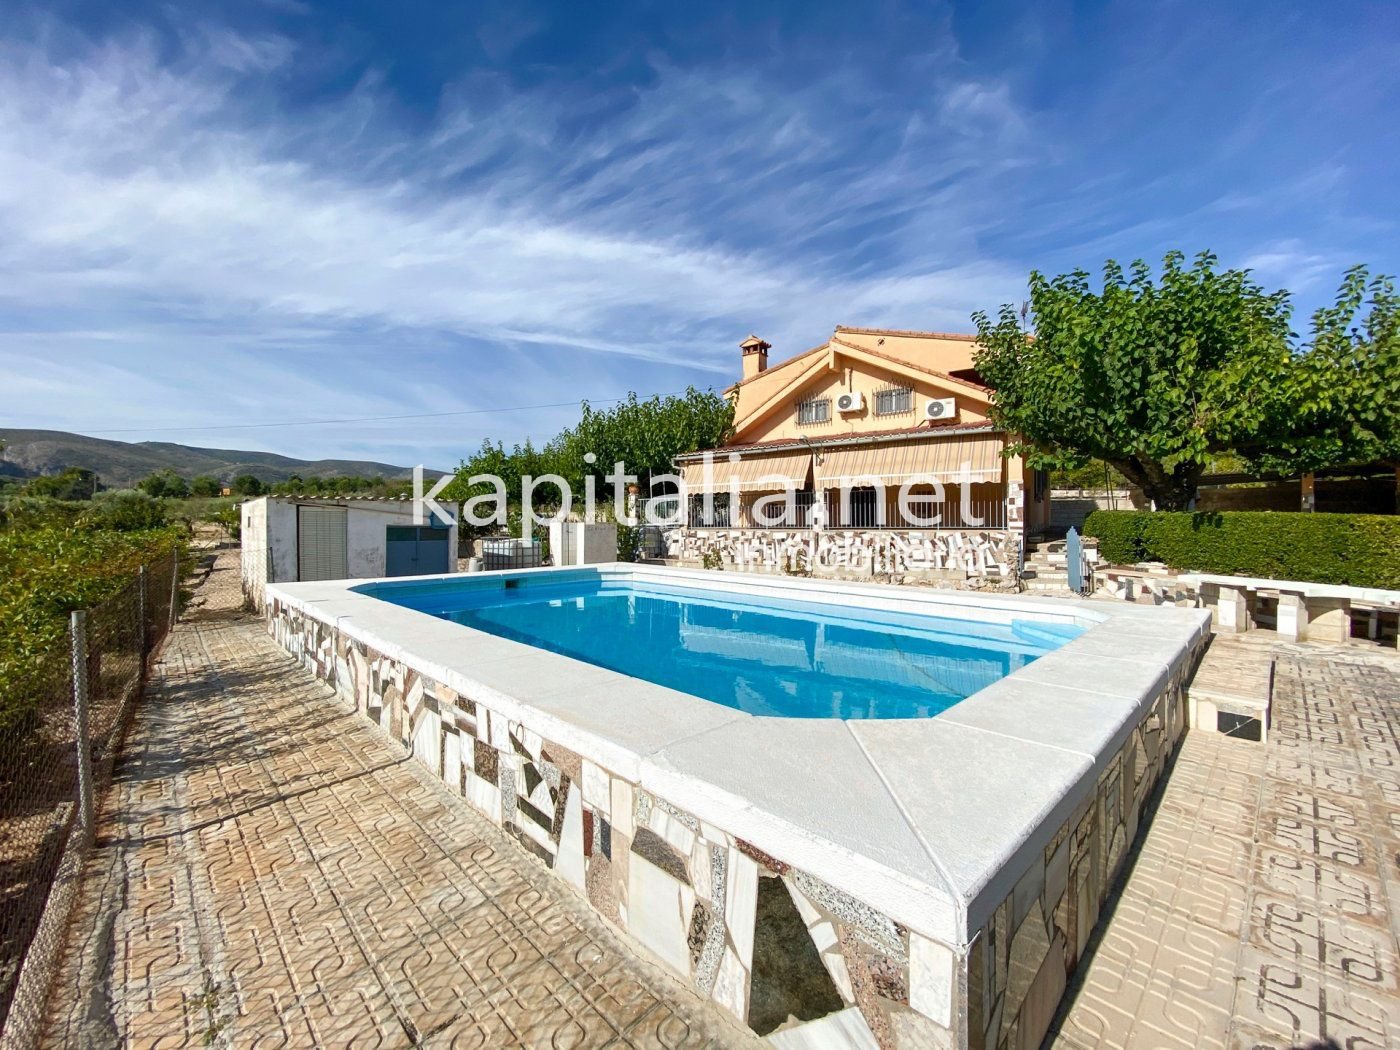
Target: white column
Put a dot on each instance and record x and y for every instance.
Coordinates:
(1292, 617)
(1232, 610)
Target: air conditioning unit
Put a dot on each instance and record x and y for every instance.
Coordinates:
(941, 408)
(852, 402)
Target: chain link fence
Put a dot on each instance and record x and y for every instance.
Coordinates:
(56, 755)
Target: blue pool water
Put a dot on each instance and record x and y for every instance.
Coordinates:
(763, 655)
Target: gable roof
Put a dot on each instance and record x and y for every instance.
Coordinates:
(897, 333)
(765, 392)
(901, 363)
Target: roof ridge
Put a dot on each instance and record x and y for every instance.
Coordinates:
(914, 332)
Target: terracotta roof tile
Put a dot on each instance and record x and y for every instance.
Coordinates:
(907, 332)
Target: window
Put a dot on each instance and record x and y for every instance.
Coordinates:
(818, 410)
(894, 402)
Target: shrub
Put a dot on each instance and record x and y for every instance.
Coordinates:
(46, 573)
(1362, 550)
(1119, 533)
(34, 512)
(125, 510)
(629, 542)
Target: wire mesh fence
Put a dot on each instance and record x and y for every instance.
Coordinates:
(57, 747)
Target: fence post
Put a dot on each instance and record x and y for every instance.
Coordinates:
(141, 614)
(78, 630)
(174, 589)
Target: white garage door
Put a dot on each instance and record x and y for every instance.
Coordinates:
(321, 546)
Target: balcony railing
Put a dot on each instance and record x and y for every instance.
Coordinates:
(865, 511)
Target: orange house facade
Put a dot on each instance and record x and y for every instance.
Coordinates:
(872, 455)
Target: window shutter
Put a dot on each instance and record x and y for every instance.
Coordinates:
(321, 543)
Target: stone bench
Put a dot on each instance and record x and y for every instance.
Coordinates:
(1318, 612)
(1232, 690)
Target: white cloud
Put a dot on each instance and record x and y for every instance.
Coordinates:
(1288, 264)
(152, 206)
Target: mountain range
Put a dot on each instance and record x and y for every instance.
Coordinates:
(120, 464)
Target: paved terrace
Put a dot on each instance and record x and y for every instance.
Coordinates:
(1263, 906)
(272, 872)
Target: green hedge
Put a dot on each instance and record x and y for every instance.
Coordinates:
(1362, 550)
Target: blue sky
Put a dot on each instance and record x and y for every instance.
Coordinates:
(222, 214)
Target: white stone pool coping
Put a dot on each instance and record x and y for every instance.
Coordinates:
(931, 819)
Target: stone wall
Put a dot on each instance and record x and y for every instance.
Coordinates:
(1069, 507)
(763, 939)
(923, 554)
(1020, 962)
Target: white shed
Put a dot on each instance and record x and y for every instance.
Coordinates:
(298, 538)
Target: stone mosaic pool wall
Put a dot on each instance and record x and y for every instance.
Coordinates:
(1020, 962)
(771, 943)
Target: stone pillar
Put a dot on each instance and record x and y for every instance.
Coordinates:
(1329, 620)
(1232, 610)
(1015, 506)
(1292, 617)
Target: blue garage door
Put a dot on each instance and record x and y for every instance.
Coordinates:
(416, 551)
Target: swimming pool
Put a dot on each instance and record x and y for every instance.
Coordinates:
(759, 654)
(921, 853)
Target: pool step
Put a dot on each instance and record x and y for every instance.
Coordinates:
(1049, 634)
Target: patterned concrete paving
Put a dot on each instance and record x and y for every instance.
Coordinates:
(1264, 904)
(270, 872)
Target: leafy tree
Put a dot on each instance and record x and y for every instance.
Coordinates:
(644, 435)
(126, 510)
(72, 484)
(247, 485)
(1153, 377)
(1351, 380)
(36, 512)
(164, 483)
(206, 487)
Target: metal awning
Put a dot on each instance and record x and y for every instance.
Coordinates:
(941, 458)
(752, 473)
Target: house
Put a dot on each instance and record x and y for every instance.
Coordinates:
(883, 438)
(297, 538)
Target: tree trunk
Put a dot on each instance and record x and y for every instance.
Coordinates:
(1168, 490)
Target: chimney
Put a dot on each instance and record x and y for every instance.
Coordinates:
(755, 352)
